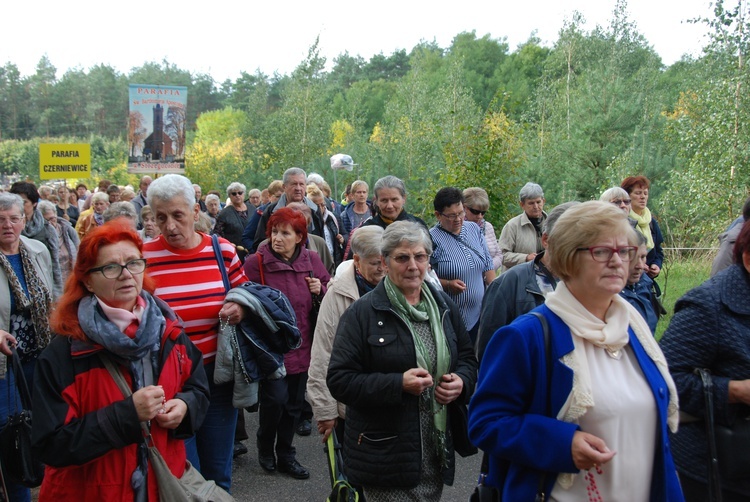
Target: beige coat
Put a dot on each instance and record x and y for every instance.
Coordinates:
(519, 239)
(342, 292)
(43, 264)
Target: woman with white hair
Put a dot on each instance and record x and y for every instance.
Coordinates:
(88, 222)
(620, 198)
(231, 221)
(183, 264)
(66, 234)
(354, 278)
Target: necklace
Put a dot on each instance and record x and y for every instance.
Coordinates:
(613, 352)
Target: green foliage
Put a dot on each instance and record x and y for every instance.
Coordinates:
(680, 274)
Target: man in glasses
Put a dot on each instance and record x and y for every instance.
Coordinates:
(521, 238)
(294, 183)
(520, 289)
(199, 197)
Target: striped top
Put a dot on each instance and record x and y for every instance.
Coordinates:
(465, 257)
(189, 280)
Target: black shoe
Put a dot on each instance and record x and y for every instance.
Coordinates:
(239, 449)
(294, 469)
(304, 428)
(267, 462)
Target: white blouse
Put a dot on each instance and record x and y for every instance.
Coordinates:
(625, 416)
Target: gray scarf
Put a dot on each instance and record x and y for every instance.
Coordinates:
(39, 229)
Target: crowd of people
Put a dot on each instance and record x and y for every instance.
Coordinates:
(409, 342)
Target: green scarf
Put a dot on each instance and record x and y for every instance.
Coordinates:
(644, 226)
(426, 310)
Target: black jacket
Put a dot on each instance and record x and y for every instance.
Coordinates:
(372, 350)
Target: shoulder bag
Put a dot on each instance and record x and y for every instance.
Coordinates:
(192, 486)
(487, 493)
(19, 463)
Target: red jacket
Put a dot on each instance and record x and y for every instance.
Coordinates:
(290, 280)
(86, 432)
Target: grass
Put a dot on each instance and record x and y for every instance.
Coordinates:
(680, 274)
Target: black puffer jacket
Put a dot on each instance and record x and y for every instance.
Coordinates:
(372, 350)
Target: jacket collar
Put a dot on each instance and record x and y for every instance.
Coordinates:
(735, 289)
(380, 299)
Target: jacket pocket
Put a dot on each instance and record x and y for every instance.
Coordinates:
(377, 439)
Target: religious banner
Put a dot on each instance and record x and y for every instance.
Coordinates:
(156, 129)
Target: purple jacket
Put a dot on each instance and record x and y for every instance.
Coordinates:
(290, 280)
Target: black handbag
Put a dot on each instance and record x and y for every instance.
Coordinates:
(15, 439)
(487, 493)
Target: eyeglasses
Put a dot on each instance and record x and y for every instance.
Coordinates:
(618, 202)
(603, 254)
(235, 193)
(476, 211)
(406, 258)
(15, 220)
(114, 270)
(457, 216)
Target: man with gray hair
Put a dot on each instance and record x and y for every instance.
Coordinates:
(520, 289)
(140, 200)
(294, 184)
(521, 238)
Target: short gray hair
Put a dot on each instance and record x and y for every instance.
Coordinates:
(553, 215)
(236, 185)
(169, 186)
(530, 191)
(45, 206)
(9, 200)
(614, 193)
(213, 196)
(366, 241)
(254, 191)
(293, 171)
(476, 198)
(389, 181)
(118, 209)
(404, 232)
(100, 196)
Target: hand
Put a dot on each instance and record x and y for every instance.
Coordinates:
(148, 402)
(232, 312)
(325, 427)
(739, 391)
(314, 285)
(530, 256)
(416, 381)
(340, 238)
(653, 270)
(589, 451)
(6, 342)
(449, 388)
(173, 414)
(455, 286)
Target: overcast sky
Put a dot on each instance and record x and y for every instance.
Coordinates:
(223, 38)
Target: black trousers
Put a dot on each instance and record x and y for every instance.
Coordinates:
(696, 491)
(280, 407)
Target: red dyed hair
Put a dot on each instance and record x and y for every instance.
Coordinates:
(64, 319)
(742, 244)
(291, 217)
(632, 182)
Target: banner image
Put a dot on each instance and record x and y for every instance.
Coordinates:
(156, 129)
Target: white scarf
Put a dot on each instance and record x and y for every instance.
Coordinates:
(611, 334)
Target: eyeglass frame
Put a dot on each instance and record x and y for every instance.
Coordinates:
(122, 267)
(237, 193)
(403, 259)
(631, 252)
(453, 217)
(476, 212)
(618, 202)
(10, 219)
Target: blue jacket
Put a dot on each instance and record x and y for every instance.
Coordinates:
(507, 414)
(639, 296)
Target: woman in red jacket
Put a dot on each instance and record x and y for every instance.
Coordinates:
(85, 430)
(284, 263)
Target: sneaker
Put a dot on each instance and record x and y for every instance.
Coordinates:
(304, 428)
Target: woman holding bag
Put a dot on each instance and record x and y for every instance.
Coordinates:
(85, 430)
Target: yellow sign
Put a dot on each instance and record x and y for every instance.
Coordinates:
(64, 160)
